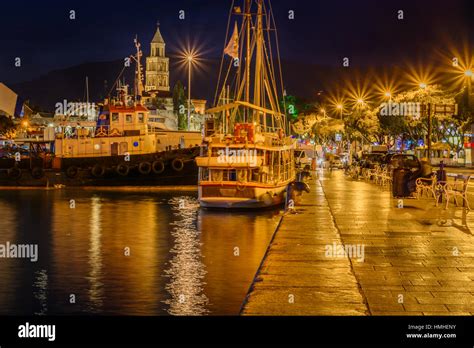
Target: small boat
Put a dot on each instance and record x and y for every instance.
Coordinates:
(247, 158)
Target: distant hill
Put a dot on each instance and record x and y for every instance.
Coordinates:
(301, 79)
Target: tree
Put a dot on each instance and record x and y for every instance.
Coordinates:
(362, 122)
(7, 127)
(444, 127)
(179, 102)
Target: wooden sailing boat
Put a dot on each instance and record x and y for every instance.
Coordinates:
(247, 160)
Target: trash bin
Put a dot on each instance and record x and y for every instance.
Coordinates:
(400, 182)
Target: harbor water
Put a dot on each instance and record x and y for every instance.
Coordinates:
(127, 251)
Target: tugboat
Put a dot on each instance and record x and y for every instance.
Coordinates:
(123, 150)
(247, 159)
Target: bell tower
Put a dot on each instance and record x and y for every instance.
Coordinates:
(157, 65)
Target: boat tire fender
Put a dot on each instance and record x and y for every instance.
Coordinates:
(37, 172)
(158, 167)
(14, 172)
(122, 169)
(144, 168)
(72, 172)
(98, 171)
(177, 164)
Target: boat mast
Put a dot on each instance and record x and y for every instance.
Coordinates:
(248, 18)
(258, 62)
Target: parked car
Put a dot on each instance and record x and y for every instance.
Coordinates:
(302, 158)
(398, 160)
(370, 160)
(336, 162)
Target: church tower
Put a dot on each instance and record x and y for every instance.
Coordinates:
(157, 65)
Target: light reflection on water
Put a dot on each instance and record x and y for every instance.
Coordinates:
(95, 257)
(181, 260)
(186, 270)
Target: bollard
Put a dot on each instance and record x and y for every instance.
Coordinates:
(441, 177)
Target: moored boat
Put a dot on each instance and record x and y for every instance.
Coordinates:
(122, 150)
(247, 160)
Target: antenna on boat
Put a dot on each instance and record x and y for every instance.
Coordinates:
(138, 70)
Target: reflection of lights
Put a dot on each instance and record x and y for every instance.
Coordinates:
(41, 290)
(186, 271)
(95, 255)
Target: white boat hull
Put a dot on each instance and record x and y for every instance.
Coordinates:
(263, 197)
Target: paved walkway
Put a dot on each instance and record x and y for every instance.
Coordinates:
(417, 260)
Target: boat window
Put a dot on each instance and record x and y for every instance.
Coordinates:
(128, 118)
(115, 117)
(141, 117)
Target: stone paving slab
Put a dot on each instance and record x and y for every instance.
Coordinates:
(296, 277)
(418, 260)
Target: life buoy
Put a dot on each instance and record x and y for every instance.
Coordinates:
(37, 172)
(122, 169)
(14, 172)
(177, 164)
(144, 168)
(158, 167)
(72, 171)
(98, 171)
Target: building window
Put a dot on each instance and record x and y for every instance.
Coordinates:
(141, 118)
(128, 118)
(115, 117)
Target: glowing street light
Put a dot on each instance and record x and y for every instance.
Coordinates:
(423, 85)
(468, 73)
(388, 94)
(190, 59)
(360, 101)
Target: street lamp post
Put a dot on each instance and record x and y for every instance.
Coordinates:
(190, 60)
(423, 86)
(469, 76)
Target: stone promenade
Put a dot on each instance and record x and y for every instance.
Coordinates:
(350, 250)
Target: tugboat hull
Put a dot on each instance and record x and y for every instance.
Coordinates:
(171, 168)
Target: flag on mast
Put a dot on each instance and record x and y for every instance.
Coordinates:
(232, 48)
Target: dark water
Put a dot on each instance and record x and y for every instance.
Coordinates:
(128, 253)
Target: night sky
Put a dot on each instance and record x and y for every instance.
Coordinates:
(323, 32)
